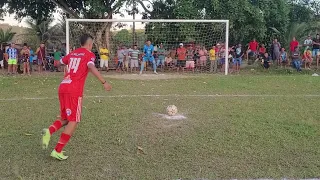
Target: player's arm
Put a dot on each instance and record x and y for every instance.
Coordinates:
(98, 75)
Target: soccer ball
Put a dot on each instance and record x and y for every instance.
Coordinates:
(172, 110)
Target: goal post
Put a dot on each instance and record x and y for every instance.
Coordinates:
(200, 32)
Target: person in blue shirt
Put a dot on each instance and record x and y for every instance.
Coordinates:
(148, 51)
(31, 58)
(12, 59)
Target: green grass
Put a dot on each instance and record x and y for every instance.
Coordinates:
(222, 137)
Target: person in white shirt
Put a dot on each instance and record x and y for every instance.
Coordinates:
(308, 42)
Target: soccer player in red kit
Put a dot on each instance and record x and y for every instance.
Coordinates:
(79, 62)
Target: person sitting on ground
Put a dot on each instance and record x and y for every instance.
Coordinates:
(283, 58)
(307, 57)
(296, 59)
(266, 61)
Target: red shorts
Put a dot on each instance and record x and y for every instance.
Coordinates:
(70, 107)
(56, 63)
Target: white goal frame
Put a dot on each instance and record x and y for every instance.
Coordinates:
(155, 20)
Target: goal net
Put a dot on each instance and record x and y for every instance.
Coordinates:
(195, 37)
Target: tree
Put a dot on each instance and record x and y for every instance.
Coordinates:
(6, 35)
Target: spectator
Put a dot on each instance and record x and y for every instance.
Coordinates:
(252, 48)
(173, 54)
(1, 57)
(31, 58)
(262, 50)
(57, 57)
(238, 58)
(296, 59)
(293, 44)
(213, 60)
(266, 61)
(307, 57)
(308, 42)
(121, 55)
(134, 58)
(283, 58)
(203, 57)
(222, 56)
(148, 52)
(169, 61)
(316, 48)
(104, 58)
(25, 53)
(127, 57)
(190, 61)
(181, 52)
(161, 55)
(41, 54)
(276, 50)
(12, 59)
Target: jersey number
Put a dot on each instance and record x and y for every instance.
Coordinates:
(74, 64)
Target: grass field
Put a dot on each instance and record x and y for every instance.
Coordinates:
(271, 130)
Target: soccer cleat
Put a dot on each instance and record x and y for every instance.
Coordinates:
(45, 138)
(58, 156)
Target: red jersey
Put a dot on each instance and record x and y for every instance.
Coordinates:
(182, 53)
(253, 45)
(262, 50)
(293, 45)
(74, 80)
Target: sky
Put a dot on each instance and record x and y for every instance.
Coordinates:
(9, 19)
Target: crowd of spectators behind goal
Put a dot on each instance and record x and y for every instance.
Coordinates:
(189, 56)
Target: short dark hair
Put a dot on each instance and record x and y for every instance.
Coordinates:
(25, 44)
(84, 38)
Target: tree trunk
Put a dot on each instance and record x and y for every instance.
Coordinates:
(108, 33)
(98, 38)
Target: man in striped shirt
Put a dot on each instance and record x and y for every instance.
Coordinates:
(12, 59)
(134, 54)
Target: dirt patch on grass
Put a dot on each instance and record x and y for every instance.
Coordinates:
(148, 76)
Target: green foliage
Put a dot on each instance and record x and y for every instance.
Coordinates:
(6, 35)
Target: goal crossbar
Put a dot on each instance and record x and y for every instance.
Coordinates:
(157, 21)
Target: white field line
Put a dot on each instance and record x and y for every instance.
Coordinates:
(169, 95)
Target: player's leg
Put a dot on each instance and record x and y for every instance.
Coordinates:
(73, 112)
(57, 124)
(154, 64)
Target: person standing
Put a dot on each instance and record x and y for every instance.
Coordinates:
(134, 58)
(25, 54)
(161, 55)
(2, 58)
(12, 59)
(252, 48)
(293, 44)
(70, 92)
(181, 53)
(31, 58)
(57, 58)
(276, 50)
(148, 52)
(41, 54)
(316, 48)
(104, 58)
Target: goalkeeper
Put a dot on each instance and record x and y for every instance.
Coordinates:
(148, 51)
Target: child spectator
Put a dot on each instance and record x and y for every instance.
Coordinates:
(296, 59)
(307, 58)
(161, 55)
(181, 52)
(283, 58)
(266, 61)
(213, 60)
(41, 54)
(104, 58)
(31, 58)
(56, 57)
(169, 61)
(121, 55)
(190, 61)
(238, 54)
(134, 58)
